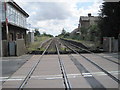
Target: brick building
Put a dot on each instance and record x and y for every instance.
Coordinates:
(86, 21)
(14, 25)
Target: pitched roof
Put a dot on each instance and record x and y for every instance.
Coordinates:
(86, 18)
(75, 30)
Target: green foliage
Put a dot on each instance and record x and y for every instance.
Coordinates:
(36, 33)
(64, 34)
(93, 33)
(83, 35)
(110, 19)
(37, 43)
(48, 35)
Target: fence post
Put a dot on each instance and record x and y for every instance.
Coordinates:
(0, 51)
(0, 38)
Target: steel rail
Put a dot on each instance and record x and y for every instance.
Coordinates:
(66, 81)
(33, 69)
(100, 68)
(86, 74)
(44, 43)
(94, 83)
(94, 53)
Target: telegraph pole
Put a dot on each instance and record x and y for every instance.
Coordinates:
(6, 23)
(6, 19)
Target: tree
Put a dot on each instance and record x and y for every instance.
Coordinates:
(94, 33)
(83, 31)
(110, 19)
(37, 33)
(44, 34)
(48, 35)
(66, 35)
(63, 32)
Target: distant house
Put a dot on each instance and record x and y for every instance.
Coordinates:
(14, 25)
(86, 21)
(74, 32)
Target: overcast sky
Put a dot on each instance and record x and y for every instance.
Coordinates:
(51, 16)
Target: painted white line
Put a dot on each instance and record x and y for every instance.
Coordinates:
(17, 78)
(59, 76)
(87, 75)
(107, 56)
(46, 76)
(13, 60)
(3, 77)
(14, 79)
(102, 73)
(51, 78)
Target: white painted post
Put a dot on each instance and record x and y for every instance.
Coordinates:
(110, 46)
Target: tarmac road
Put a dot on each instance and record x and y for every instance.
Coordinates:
(12, 64)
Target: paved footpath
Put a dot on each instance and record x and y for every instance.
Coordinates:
(80, 72)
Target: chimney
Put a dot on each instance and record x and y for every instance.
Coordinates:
(89, 14)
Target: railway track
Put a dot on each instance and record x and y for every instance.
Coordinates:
(85, 73)
(95, 64)
(66, 81)
(32, 70)
(66, 71)
(84, 49)
(63, 71)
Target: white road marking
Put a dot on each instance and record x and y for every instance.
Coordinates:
(3, 77)
(86, 74)
(13, 60)
(16, 78)
(107, 56)
(59, 76)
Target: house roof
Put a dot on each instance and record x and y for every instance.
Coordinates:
(14, 4)
(86, 18)
(75, 30)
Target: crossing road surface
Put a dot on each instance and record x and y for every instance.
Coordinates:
(66, 71)
(48, 73)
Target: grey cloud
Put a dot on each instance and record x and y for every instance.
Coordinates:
(47, 11)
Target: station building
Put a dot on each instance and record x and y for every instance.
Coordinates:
(14, 27)
(86, 21)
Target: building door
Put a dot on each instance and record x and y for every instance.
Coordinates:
(12, 48)
(11, 45)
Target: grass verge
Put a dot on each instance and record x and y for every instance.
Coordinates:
(37, 43)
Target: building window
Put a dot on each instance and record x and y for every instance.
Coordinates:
(15, 17)
(0, 10)
(3, 12)
(18, 36)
